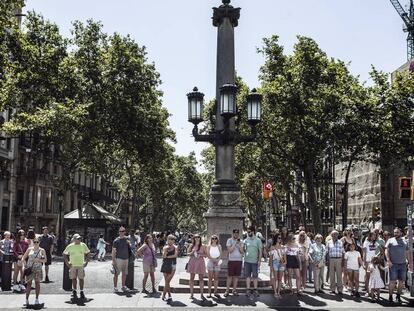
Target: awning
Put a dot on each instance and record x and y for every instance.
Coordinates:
(94, 211)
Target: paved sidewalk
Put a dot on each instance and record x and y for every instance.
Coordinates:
(138, 301)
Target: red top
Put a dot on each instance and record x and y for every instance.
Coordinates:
(20, 248)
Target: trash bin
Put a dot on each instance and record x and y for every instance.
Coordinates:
(6, 273)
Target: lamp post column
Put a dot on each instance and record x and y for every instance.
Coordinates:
(224, 213)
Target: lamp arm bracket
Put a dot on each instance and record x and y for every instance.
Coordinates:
(203, 137)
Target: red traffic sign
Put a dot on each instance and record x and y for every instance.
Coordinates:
(267, 185)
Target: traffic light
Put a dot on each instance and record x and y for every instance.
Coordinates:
(405, 188)
(267, 190)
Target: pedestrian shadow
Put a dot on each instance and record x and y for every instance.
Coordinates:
(127, 294)
(35, 307)
(204, 303)
(151, 295)
(79, 302)
(176, 303)
(236, 301)
(311, 301)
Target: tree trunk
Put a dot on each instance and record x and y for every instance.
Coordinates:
(312, 203)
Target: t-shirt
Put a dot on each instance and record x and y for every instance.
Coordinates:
(370, 248)
(253, 247)
(101, 243)
(352, 262)
(46, 242)
(122, 248)
(397, 249)
(235, 255)
(76, 253)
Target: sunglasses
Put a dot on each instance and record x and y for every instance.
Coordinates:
(121, 230)
(214, 238)
(36, 242)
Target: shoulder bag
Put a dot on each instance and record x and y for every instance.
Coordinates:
(28, 271)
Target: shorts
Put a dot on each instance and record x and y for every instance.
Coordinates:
(48, 258)
(234, 268)
(398, 271)
(352, 270)
(76, 272)
(148, 268)
(122, 265)
(277, 265)
(292, 262)
(36, 275)
(251, 270)
(213, 266)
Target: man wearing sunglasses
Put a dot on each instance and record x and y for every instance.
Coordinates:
(253, 254)
(120, 256)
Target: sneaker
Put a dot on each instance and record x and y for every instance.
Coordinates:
(390, 298)
(16, 288)
(124, 289)
(22, 287)
(154, 290)
(37, 302)
(82, 295)
(116, 290)
(398, 298)
(74, 294)
(357, 294)
(144, 291)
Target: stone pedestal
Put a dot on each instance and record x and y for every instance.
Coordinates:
(224, 215)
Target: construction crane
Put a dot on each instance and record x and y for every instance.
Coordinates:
(408, 19)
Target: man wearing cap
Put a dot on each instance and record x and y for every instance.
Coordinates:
(236, 252)
(76, 258)
(46, 242)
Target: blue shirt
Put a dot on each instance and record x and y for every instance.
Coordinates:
(336, 249)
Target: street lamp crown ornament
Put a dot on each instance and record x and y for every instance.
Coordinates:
(226, 11)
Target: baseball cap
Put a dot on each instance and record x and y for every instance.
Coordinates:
(76, 236)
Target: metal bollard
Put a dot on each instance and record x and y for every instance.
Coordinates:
(129, 282)
(66, 282)
(6, 273)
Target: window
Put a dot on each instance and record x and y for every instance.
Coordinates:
(20, 197)
(39, 199)
(48, 200)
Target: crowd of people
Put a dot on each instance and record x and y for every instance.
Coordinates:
(300, 256)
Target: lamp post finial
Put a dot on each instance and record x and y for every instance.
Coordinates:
(226, 2)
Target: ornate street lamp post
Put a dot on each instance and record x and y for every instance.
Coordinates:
(61, 239)
(224, 213)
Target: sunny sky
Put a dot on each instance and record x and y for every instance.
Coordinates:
(181, 40)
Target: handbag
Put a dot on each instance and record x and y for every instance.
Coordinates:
(28, 271)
